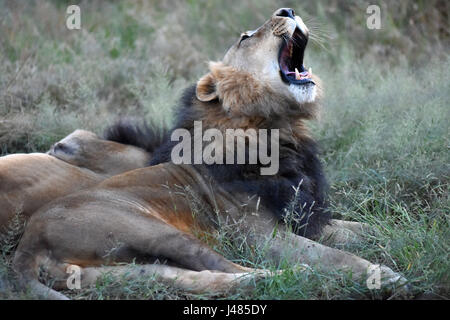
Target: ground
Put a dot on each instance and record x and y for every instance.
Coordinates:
(384, 126)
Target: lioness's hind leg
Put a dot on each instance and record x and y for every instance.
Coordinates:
(106, 232)
(178, 247)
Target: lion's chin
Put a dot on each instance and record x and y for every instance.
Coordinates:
(306, 93)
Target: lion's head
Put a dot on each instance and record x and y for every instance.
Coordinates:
(263, 72)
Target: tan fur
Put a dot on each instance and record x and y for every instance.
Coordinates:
(149, 213)
(28, 181)
(98, 155)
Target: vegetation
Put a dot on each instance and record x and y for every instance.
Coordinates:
(384, 128)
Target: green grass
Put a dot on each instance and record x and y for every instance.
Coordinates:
(384, 127)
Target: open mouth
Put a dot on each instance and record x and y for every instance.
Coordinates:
(290, 60)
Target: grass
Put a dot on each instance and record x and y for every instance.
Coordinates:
(383, 130)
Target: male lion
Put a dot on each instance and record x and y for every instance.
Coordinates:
(80, 160)
(160, 212)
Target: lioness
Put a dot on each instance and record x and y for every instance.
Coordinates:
(153, 213)
(80, 160)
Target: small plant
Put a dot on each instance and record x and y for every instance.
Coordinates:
(9, 239)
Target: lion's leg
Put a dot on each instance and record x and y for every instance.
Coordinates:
(297, 249)
(178, 247)
(57, 275)
(107, 236)
(340, 233)
(206, 281)
(231, 275)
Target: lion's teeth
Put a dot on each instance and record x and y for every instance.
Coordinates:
(297, 74)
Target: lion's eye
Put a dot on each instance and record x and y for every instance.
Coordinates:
(243, 37)
(62, 147)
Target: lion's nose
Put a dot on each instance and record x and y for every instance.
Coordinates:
(285, 12)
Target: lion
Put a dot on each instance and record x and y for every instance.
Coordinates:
(166, 211)
(80, 160)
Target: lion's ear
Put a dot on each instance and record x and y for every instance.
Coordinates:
(206, 88)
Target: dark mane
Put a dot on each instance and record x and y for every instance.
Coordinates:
(299, 165)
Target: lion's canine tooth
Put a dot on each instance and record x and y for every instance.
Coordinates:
(297, 74)
(310, 71)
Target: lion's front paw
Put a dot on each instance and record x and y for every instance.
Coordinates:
(394, 281)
